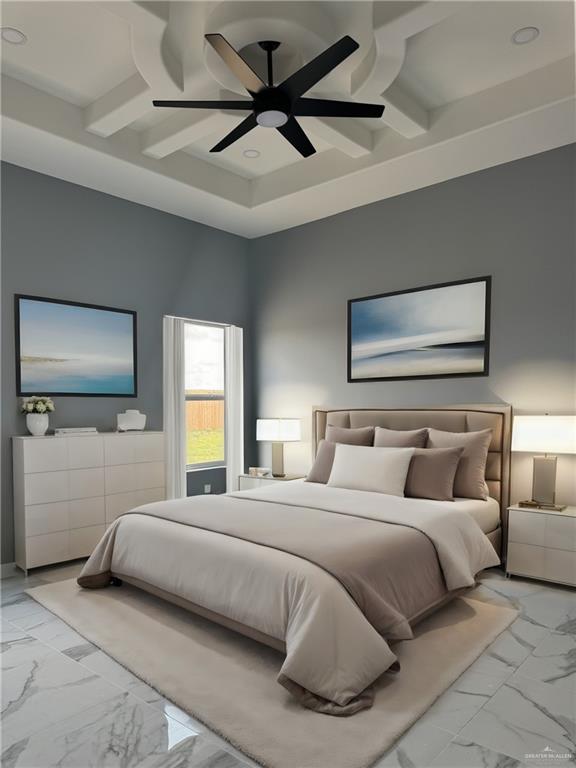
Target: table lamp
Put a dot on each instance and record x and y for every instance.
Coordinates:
(278, 432)
(544, 435)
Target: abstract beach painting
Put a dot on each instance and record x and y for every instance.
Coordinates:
(64, 348)
(435, 331)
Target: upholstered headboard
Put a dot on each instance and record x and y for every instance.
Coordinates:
(451, 418)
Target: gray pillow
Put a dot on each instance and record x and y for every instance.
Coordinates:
(431, 473)
(359, 436)
(469, 482)
(322, 466)
(400, 438)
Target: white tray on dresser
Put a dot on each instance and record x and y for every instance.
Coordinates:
(69, 489)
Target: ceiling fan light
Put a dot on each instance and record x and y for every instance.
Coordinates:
(271, 118)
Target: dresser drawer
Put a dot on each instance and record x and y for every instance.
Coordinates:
(46, 518)
(561, 532)
(50, 548)
(526, 560)
(45, 487)
(83, 540)
(133, 449)
(526, 527)
(119, 449)
(87, 512)
(85, 452)
(134, 477)
(44, 454)
(149, 448)
(149, 475)
(120, 479)
(560, 566)
(86, 483)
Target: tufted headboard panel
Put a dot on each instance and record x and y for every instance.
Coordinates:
(450, 418)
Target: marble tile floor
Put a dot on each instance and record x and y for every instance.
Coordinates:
(66, 703)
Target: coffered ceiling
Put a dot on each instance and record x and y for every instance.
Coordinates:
(459, 96)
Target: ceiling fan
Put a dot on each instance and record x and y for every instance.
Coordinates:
(278, 106)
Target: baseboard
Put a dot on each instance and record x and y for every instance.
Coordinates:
(7, 570)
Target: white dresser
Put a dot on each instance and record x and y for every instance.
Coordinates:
(542, 544)
(67, 490)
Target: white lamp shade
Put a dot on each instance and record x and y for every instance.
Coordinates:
(278, 430)
(544, 434)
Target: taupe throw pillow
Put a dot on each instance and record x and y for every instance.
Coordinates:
(322, 466)
(431, 473)
(400, 438)
(469, 482)
(358, 436)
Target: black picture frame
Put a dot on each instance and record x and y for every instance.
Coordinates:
(18, 297)
(487, 279)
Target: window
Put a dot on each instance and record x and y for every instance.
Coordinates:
(204, 385)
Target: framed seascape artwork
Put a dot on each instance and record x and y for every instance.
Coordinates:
(67, 348)
(421, 333)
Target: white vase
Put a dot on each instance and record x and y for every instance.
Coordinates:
(37, 423)
(131, 420)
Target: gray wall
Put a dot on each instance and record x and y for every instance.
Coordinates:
(514, 222)
(64, 241)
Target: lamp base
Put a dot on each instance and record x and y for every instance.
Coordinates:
(544, 480)
(278, 460)
(539, 505)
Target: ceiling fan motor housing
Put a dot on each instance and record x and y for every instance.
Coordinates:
(272, 107)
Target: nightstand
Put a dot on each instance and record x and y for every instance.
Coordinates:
(247, 482)
(542, 544)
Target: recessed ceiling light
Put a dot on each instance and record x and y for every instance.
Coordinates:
(525, 35)
(13, 35)
(251, 153)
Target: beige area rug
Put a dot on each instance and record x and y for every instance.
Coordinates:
(229, 682)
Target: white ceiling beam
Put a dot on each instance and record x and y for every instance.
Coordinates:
(118, 108)
(185, 128)
(402, 20)
(46, 131)
(403, 113)
(158, 68)
(348, 136)
(394, 23)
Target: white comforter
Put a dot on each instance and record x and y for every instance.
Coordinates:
(331, 649)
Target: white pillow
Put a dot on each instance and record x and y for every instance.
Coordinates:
(363, 468)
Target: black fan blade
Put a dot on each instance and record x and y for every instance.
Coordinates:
(205, 104)
(293, 133)
(322, 65)
(236, 133)
(329, 108)
(235, 63)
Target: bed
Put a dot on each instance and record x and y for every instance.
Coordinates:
(328, 576)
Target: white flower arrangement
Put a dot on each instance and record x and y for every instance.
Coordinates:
(37, 404)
